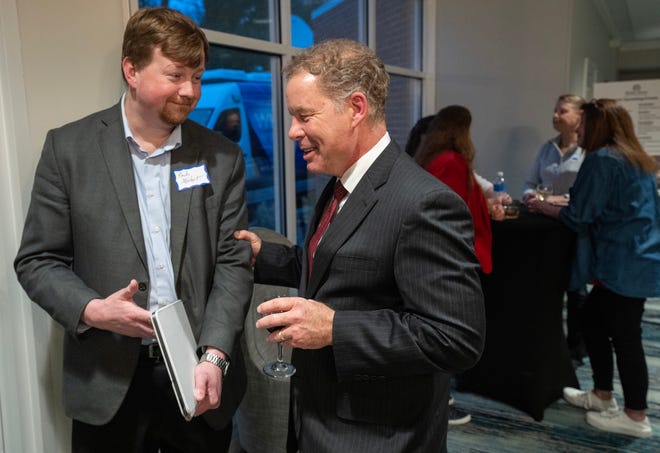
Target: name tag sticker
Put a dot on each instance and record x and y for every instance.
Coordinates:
(187, 178)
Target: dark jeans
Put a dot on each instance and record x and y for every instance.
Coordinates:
(613, 323)
(149, 421)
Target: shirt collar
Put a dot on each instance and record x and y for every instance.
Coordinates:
(569, 152)
(172, 142)
(354, 174)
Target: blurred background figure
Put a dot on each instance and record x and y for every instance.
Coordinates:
(494, 200)
(230, 124)
(416, 133)
(555, 168)
(558, 160)
(446, 151)
(615, 209)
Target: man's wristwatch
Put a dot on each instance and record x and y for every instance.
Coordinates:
(216, 360)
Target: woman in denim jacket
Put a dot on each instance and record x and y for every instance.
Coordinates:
(615, 210)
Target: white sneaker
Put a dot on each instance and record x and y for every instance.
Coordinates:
(588, 400)
(616, 421)
(457, 416)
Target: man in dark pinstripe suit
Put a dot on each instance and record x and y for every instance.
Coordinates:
(392, 305)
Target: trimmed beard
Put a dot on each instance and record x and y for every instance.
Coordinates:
(176, 113)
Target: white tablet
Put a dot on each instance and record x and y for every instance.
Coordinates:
(177, 344)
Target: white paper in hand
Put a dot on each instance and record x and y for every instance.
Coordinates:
(178, 347)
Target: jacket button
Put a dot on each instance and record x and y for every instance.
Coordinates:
(142, 286)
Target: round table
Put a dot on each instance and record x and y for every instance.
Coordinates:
(526, 362)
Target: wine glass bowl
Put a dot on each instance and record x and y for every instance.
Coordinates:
(279, 369)
(511, 211)
(543, 191)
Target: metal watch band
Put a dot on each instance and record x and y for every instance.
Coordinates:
(217, 361)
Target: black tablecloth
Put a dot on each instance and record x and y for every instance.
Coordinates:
(526, 361)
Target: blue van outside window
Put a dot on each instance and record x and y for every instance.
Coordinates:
(238, 105)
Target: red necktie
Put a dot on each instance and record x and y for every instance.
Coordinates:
(339, 192)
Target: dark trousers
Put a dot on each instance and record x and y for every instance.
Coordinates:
(574, 304)
(613, 323)
(149, 421)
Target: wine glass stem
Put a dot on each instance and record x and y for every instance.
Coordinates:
(280, 348)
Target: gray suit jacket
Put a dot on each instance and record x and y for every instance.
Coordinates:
(397, 264)
(83, 240)
(261, 420)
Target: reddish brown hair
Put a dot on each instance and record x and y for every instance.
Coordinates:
(449, 130)
(176, 34)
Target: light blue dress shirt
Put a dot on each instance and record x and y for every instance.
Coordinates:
(551, 167)
(152, 182)
(615, 209)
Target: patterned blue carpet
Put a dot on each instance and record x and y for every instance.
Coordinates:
(497, 427)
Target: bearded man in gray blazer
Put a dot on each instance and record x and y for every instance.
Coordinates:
(391, 304)
(132, 208)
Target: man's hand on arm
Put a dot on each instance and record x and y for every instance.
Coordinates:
(255, 243)
(119, 313)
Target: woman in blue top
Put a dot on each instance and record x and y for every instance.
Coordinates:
(615, 209)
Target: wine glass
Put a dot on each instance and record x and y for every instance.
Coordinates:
(279, 369)
(543, 191)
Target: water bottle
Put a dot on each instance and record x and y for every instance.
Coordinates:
(498, 184)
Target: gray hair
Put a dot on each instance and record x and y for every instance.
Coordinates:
(344, 67)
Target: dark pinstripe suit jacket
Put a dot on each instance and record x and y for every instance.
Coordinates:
(83, 240)
(398, 266)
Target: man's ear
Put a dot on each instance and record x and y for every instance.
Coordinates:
(360, 106)
(130, 71)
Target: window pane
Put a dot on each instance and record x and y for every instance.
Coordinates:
(237, 101)
(404, 107)
(193, 8)
(308, 190)
(398, 33)
(313, 21)
(240, 93)
(251, 18)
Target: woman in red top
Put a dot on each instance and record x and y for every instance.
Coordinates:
(447, 153)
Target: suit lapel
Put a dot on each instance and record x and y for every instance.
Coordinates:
(357, 207)
(183, 157)
(117, 157)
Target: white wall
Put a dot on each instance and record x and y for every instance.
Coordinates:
(507, 61)
(60, 60)
(71, 54)
(590, 39)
